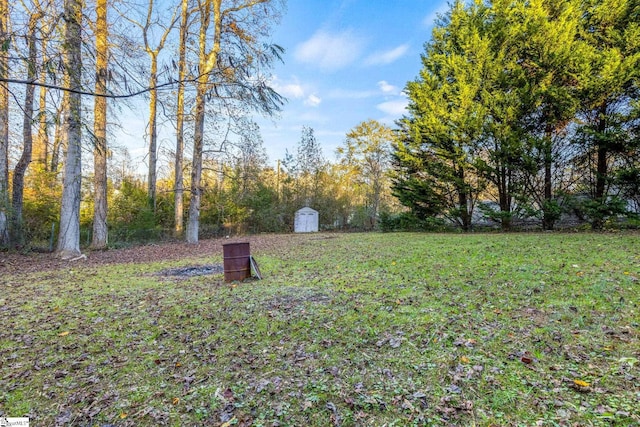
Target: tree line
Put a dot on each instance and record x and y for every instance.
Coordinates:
(522, 111)
(106, 52)
(525, 110)
(242, 193)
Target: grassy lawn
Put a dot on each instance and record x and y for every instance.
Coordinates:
(350, 330)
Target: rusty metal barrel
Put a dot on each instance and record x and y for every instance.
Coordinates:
(237, 261)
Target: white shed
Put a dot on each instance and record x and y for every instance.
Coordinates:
(306, 221)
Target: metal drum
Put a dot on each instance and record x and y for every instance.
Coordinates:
(237, 261)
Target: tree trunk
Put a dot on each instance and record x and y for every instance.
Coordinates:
(601, 173)
(100, 153)
(504, 198)
(4, 129)
(376, 198)
(153, 53)
(602, 168)
(179, 180)
(549, 216)
(463, 201)
(153, 144)
(207, 61)
(41, 143)
(27, 138)
(193, 222)
(69, 234)
(464, 211)
(57, 134)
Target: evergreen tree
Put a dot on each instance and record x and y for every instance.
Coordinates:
(446, 119)
(610, 87)
(551, 57)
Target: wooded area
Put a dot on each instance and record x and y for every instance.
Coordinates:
(522, 112)
(525, 110)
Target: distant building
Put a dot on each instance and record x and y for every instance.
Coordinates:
(306, 221)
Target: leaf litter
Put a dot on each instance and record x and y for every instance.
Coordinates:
(405, 334)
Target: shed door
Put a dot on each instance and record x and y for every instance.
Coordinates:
(307, 222)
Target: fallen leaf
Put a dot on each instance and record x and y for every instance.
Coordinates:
(228, 394)
(63, 334)
(175, 400)
(464, 359)
(229, 423)
(527, 358)
(123, 415)
(581, 383)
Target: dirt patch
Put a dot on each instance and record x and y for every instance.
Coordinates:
(11, 263)
(192, 271)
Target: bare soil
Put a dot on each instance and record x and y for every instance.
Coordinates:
(13, 262)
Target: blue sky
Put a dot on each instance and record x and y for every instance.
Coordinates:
(346, 61)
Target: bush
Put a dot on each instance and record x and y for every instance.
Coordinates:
(407, 221)
(40, 208)
(131, 217)
(600, 211)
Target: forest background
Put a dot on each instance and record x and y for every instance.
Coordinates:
(523, 114)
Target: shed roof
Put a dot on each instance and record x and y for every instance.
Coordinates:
(307, 209)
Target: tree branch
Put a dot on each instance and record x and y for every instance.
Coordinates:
(82, 92)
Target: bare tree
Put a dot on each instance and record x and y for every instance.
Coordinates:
(69, 233)
(179, 157)
(100, 154)
(41, 143)
(58, 142)
(366, 151)
(4, 126)
(47, 22)
(154, 50)
(27, 130)
(235, 58)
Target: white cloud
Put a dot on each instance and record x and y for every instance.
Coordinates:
(288, 90)
(312, 101)
(330, 51)
(387, 88)
(291, 90)
(387, 56)
(394, 108)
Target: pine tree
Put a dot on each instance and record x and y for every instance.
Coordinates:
(446, 119)
(610, 86)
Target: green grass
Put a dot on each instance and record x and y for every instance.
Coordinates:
(352, 330)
